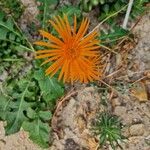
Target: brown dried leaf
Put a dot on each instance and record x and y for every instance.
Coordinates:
(140, 92)
(81, 124)
(93, 144)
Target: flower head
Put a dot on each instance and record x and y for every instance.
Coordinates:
(74, 54)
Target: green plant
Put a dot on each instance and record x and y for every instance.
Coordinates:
(46, 9)
(123, 87)
(113, 35)
(139, 8)
(107, 7)
(27, 98)
(108, 128)
(15, 8)
(28, 103)
(50, 8)
(13, 43)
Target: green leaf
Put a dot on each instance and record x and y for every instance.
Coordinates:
(13, 109)
(50, 87)
(11, 7)
(70, 10)
(45, 115)
(3, 106)
(8, 26)
(31, 113)
(108, 128)
(138, 8)
(112, 36)
(38, 129)
(21, 106)
(10, 33)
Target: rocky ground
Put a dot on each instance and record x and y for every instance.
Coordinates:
(72, 120)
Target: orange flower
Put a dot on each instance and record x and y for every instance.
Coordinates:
(72, 53)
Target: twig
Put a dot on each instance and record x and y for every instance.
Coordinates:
(127, 14)
(113, 73)
(108, 85)
(139, 19)
(105, 47)
(137, 72)
(139, 80)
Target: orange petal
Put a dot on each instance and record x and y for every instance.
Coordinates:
(50, 59)
(51, 38)
(65, 65)
(45, 55)
(58, 29)
(56, 65)
(64, 27)
(82, 30)
(90, 48)
(40, 43)
(88, 38)
(47, 51)
(75, 24)
(67, 25)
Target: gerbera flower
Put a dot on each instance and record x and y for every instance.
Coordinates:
(74, 54)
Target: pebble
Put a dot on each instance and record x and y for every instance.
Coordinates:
(120, 110)
(137, 130)
(125, 132)
(116, 102)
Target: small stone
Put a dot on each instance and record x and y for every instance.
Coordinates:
(137, 130)
(71, 145)
(116, 102)
(137, 120)
(125, 132)
(2, 142)
(120, 110)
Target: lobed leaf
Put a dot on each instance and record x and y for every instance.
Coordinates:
(39, 129)
(50, 87)
(13, 109)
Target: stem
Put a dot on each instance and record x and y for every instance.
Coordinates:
(10, 29)
(24, 37)
(108, 49)
(22, 46)
(10, 59)
(124, 26)
(44, 14)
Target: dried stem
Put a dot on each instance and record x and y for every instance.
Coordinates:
(127, 14)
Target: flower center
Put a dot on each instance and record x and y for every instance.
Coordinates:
(73, 52)
(71, 49)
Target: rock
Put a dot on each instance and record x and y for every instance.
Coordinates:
(75, 118)
(137, 130)
(120, 110)
(71, 145)
(116, 102)
(125, 132)
(2, 142)
(29, 14)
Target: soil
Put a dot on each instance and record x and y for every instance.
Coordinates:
(72, 122)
